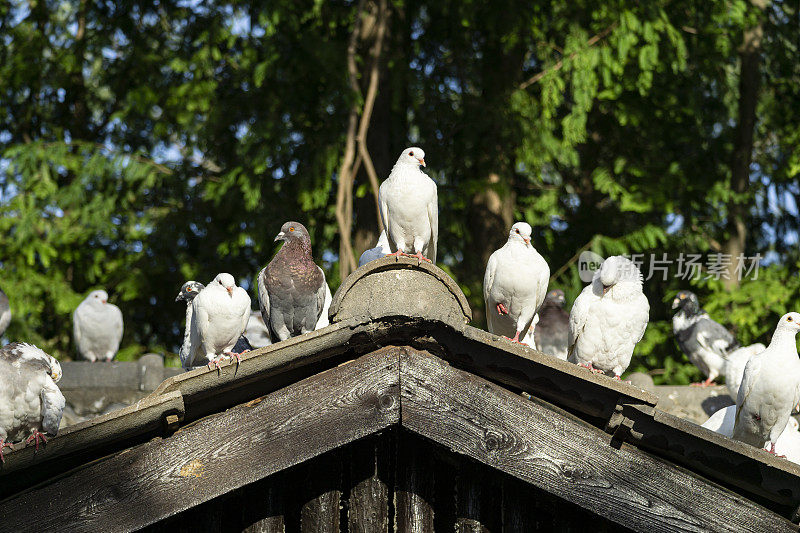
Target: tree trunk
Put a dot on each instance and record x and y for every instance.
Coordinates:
(738, 208)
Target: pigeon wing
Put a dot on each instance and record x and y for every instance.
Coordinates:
(488, 283)
(53, 403)
(384, 211)
(577, 319)
(433, 219)
(321, 293)
(263, 298)
(749, 379)
(713, 337)
(115, 328)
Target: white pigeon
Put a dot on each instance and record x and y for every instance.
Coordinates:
(323, 318)
(381, 249)
(257, 332)
(770, 387)
(528, 338)
(410, 208)
(97, 327)
(515, 284)
(220, 315)
(734, 366)
(5, 312)
(31, 403)
(608, 318)
(788, 444)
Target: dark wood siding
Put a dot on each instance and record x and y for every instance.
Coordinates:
(394, 481)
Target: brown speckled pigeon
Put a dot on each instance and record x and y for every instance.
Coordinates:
(291, 288)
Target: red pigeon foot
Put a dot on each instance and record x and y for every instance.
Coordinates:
(3, 444)
(515, 339)
(591, 369)
(35, 436)
(772, 450)
(237, 356)
(501, 309)
(420, 257)
(215, 363)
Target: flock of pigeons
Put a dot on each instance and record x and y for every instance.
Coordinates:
(606, 321)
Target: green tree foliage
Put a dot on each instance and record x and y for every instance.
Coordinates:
(143, 144)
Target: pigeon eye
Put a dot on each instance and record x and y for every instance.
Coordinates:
(788, 319)
(517, 230)
(411, 154)
(291, 229)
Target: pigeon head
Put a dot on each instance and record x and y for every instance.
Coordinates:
(293, 231)
(557, 297)
(789, 322)
(521, 231)
(226, 281)
(686, 301)
(98, 297)
(412, 156)
(617, 269)
(189, 290)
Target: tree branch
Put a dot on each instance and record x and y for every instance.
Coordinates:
(560, 63)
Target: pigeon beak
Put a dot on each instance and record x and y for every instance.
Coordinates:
(606, 288)
(179, 297)
(104, 301)
(230, 290)
(422, 162)
(527, 241)
(279, 236)
(675, 303)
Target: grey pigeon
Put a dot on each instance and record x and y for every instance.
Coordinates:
(705, 342)
(552, 330)
(410, 208)
(292, 288)
(608, 318)
(514, 284)
(770, 388)
(31, 403)
(219, 317)
(5, 312)
(188, 292)
(381, 249)
(97, 327)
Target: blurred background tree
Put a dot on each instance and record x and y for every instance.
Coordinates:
(146, 143)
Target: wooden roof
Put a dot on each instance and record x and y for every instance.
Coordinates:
(395, 357)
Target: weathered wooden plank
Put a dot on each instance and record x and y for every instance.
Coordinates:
(716, 456)
(22, 466)
(539, 374)
(477, 505)
(368, 510)
(220, 453)
(322, 488)
(413, 495)
(565, 457)
(263, 505)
